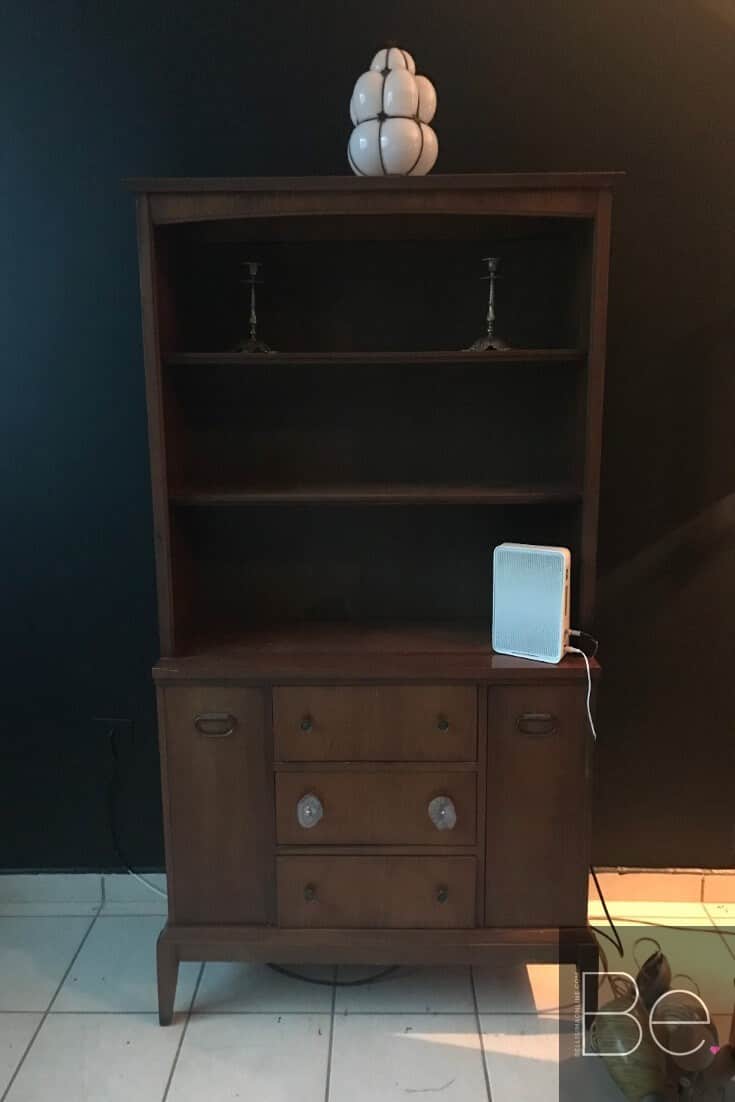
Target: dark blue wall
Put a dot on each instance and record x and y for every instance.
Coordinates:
(96, 91)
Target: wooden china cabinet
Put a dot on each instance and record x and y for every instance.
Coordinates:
(325, 516)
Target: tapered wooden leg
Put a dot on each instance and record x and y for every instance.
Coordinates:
(578, 946)
(588, 960)
(167, 965)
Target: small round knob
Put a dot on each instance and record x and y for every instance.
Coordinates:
(309, 811)
(442, 723)
(442, 894)
(306, 724)
(310, 893)
(443, 813)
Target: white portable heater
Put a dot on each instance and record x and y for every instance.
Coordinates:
(531, 601)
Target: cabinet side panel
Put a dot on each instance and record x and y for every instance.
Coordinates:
(481, 695)
(156, 431)
(218, 797)
(537, 807)
(166, 803)
(593, 412)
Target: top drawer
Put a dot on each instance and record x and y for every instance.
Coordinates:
(375, 723)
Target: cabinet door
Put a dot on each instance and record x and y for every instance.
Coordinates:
(218, 804)
(537, 806)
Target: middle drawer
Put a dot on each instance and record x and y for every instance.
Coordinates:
(376, 808)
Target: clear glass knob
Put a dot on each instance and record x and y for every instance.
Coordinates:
(443, 813)
(309, 811)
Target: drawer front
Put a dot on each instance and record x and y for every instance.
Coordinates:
(376, 892)
(374, 808)
(375, 723)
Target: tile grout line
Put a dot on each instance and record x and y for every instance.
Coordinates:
(133, 914)
(330, 1048)
(175, 1060)
(47, 1011)
(49, 1008)
(479, 1034)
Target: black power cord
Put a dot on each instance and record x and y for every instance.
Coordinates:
(616, 941)
(335, 983)
(113, 788)
(596, 642)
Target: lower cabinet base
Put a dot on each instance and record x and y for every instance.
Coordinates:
(268, 944)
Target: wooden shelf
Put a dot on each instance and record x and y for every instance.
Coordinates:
(347, 359)
(377, 494)
(378, 649)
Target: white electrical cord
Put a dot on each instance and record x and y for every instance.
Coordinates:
(576, 650)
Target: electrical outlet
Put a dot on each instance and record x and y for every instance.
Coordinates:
(124, 728)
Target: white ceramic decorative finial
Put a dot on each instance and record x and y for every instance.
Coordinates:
(391, 108)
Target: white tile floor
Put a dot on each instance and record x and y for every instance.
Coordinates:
(78, 1022)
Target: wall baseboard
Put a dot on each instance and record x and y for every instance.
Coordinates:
(90, 890)
(629, 884)
(666, 885)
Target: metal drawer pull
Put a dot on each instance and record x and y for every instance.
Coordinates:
(309, 810)
(443, 813)
(307, 724)
(442, 893)
(442, 723)
(215, 724)
(310, 893)
(537, 723)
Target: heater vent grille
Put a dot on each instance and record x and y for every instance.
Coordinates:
(531, 601)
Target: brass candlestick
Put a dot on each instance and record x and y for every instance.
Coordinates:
(489, 341)
(252, 343)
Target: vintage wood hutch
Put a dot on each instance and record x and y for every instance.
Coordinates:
(324, 523)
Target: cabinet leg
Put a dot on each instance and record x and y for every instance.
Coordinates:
(167, 966)
(588, 960)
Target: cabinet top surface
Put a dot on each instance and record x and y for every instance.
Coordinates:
(455, 182)
(436, 653)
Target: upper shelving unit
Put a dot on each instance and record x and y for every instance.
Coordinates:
(365, 469)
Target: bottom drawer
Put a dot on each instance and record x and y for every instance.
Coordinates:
(376, 892)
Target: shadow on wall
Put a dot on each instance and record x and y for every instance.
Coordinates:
(666, 677)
